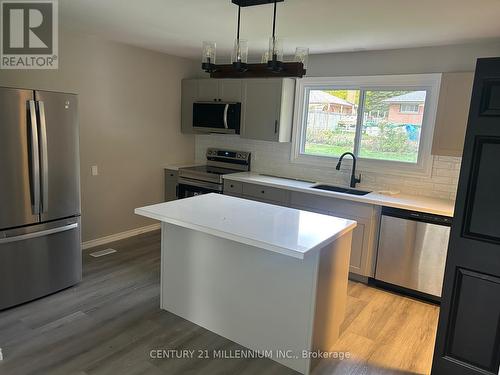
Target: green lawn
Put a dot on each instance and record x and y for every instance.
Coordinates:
(332, 150)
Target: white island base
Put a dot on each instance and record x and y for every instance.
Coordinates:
(270, 301)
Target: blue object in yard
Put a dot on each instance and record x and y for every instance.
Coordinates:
(412, 131)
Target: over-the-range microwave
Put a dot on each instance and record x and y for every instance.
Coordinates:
(217, 117)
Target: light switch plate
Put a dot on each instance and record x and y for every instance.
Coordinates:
(94, 170)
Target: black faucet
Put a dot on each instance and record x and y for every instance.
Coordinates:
(354, 180)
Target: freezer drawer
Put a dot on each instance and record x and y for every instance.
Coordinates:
(39, 260)
(412, 254)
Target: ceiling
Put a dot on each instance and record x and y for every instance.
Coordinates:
(178, 27)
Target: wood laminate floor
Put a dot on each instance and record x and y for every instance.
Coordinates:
(109, 323)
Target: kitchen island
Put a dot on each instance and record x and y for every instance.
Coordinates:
(273, 279)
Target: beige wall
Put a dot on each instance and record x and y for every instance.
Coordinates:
(129, 101)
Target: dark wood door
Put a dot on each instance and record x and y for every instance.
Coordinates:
(468, 338)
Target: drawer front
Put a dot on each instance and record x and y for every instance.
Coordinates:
(265, 193)
(35, 266)
(337, 206)
(233, 187)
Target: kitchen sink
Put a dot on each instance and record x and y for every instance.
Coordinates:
(340, 189)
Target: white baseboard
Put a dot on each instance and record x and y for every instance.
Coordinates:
(119, 236)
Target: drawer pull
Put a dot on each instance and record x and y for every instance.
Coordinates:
(262, 191)
(231, 185)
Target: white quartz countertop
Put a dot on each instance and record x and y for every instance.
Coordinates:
(279, 229)
(409, 202)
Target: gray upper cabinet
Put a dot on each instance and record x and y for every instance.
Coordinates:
(452, 113)
(268, 109)
(189, 95)
(230, 90)
(267, 104)
(208, 90)
(225, 90)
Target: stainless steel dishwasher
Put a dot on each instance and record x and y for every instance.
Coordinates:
(412, 250)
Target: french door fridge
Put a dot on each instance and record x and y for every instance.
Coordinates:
(40, 238)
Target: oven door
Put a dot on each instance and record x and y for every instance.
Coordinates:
(189, 188)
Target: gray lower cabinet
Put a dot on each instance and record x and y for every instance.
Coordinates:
(170, 184)
(365, 235)
(280, 197)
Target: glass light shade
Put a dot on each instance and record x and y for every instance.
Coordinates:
(302, 55)
(265, 57)
(240, 51)
(208, 52)
(275, 49)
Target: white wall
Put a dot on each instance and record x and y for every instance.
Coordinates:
(274, 158)
(129, 101)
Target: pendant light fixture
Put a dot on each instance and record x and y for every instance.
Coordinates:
(272, 64)
(208, 56)
(240, 50)
(275, 53)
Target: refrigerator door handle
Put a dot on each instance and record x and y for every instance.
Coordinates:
(45, 161)
(42, 233)
(35, 164)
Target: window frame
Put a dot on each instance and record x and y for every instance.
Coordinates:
(419, 82)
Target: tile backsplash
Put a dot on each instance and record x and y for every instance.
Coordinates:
(274, 158)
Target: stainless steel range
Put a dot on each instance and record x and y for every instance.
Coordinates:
(208, 178)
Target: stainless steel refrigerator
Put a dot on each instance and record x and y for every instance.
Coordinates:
(40, 240)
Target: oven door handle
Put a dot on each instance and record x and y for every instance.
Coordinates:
(201, 184)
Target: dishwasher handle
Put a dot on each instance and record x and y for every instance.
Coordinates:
(417, 216)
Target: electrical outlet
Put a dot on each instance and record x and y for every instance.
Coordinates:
(94, 170)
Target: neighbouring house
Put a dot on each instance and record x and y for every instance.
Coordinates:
(322, 101)
(407, 108)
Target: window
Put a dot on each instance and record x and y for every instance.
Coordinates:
(382, 119)
(408, 108)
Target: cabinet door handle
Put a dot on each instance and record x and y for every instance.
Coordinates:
(275, 126)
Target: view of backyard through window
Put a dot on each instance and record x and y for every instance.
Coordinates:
(390, 122)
